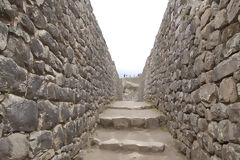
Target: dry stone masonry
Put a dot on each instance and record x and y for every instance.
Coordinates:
(55, 74)
(193, 76)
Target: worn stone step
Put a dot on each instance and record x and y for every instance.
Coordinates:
(131, 145)
(102, 154)
(124, 118)
(135, 139)
(130, 105)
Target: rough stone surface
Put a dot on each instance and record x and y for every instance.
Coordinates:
(201, 46)
(41, 140)
(3, 36)
(56, 73)
(228, 90)
(21, 114)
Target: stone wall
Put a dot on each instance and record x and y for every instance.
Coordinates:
(193, 76)
(55, 72)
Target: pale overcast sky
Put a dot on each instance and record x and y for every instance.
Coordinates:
(129, 28)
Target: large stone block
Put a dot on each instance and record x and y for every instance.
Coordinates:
(20, 52)
(49, 114)
(228, 90)
(198, 153)
(15, 146)
(233, 44)
(38, 49)
(220, 19)
(13, 78)
(64, 113)
(37, 17)
(27, 23)
(58, 137)
(234, 112)
(219, 112)
(37, 87)
(40, 141)
(233, 9)
(231, 151)
(21, 114)
(227, 67)
(47, 39)
(208, 94)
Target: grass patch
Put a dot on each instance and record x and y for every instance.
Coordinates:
(157, 111)
(148, 102)
(164, 128)
(191, 16)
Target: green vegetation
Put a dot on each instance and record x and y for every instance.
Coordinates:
(164, 128)
(7, 94)
(183, 16)
(11, 31)
(148, 102)
(191, 16)
(157, 111)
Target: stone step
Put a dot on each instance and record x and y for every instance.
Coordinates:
(130, 105)
(131, 145)
(102, 154)
(124, 118)
(134, 139)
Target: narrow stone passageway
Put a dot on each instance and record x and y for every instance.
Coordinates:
(132, 131)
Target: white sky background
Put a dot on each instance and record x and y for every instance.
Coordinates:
(129, 28)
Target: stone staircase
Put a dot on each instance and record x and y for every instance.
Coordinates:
(131, 131)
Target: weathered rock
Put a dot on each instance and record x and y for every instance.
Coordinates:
(230, 151)
(224, 127)
(227, 67)
(38, 49)
(55, 62)
(233, 112)
(27, 23)
(199, 64)
(220, 19)
(64, 113)
(209, 57)
(233, 9)
(228, 90)
(12, 77)
(21, 114)
(41, 140)
(227, 34)
(202, 124)
(198, 154)
(206, 17)
(217, 149)
(19, 146)
(213, 129)
(37, 17)
(70, 130)
(69, 53)
(39, 67)
(209, 93)
(233, 45)
(3, 36)
(21, 52)
(37, 88)
(208, 143)
(49, 114)
(40, 2)
(214, 39)
(58, 137)
(47, 39)
(223, 3)
(68, 71)
(219, 112)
